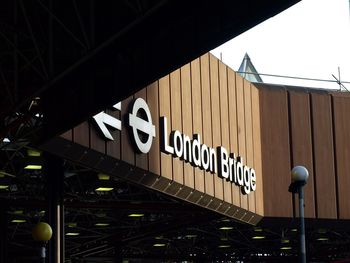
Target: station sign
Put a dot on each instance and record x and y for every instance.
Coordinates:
(217, 160)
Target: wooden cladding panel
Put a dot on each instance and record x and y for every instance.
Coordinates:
(341, 109)
(225, 131)
(141, 160)
(197, 115)
(259, 196)
(127, 153)
(232, 103)
(186, 99)
(323, 156)
(199, 98)
(113, 148)
(153, 104)
(164, 110)
(300, 132)
(215, 117)
(241, 128)
(275, 152)
(68, 135)
(176, 120)
(249, 137)
(81, 134)
(206, 111)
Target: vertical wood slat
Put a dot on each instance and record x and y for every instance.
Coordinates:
(97, 142)
(186, 99)
(323, 156)
(197, 116)
(225, 132)
(206, 110)
(215, 117)
(232, 103)
(176, 117)
(249, 138)
(81, 134)
(127, 151)
(113, 148)
(259, 195)
(241, 129)
(68, 135)
(164, 110)
(275, 158)
(154, 153)
(341, 109)
(141, 160)
(300, 129)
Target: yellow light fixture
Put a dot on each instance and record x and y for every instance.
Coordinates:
(285, 241)
(3, 187)
(322, 239)
(72, 234)
(17, 212)
(226, 228)
(258, 237)
(33, 153)
(286, 248)
(223, 238)
(101, 224)
(104, 189)
(42, 232)
(33, 167)
(136, 215)
(103, 177)
(18, 221)
(72, 224)
(224, 246)
(258, 229)
(159, 237)
(159, 245)
(294, 230)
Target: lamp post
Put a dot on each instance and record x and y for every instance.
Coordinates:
(42, 232)
(299, 177)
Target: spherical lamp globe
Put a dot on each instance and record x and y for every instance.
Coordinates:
(300, 174)
(42, 232)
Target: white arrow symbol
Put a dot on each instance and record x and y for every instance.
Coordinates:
(102, 119)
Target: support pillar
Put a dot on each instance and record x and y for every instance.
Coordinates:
(55, 179)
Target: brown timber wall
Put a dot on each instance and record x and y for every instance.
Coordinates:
(306, 127)
(204, 97)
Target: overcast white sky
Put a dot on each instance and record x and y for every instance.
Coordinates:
(310, 39)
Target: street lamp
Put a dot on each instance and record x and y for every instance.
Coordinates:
(299, 177)
(42, 232)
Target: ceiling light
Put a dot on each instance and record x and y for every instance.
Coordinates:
(224, 246)
(104, 189)
(285, 241)
(159, 245)
(3, 187)
(136, 215)
(258, 229)
(101, 224)
(103, 177)
(294, 230)
(226, 228)
(72, 234)
(322, 239)
(18, 221)
(33, 167)
(33, 152)
(322, 231)
(258, 237)
(286, 248)
(72, 224)
(159, 237)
